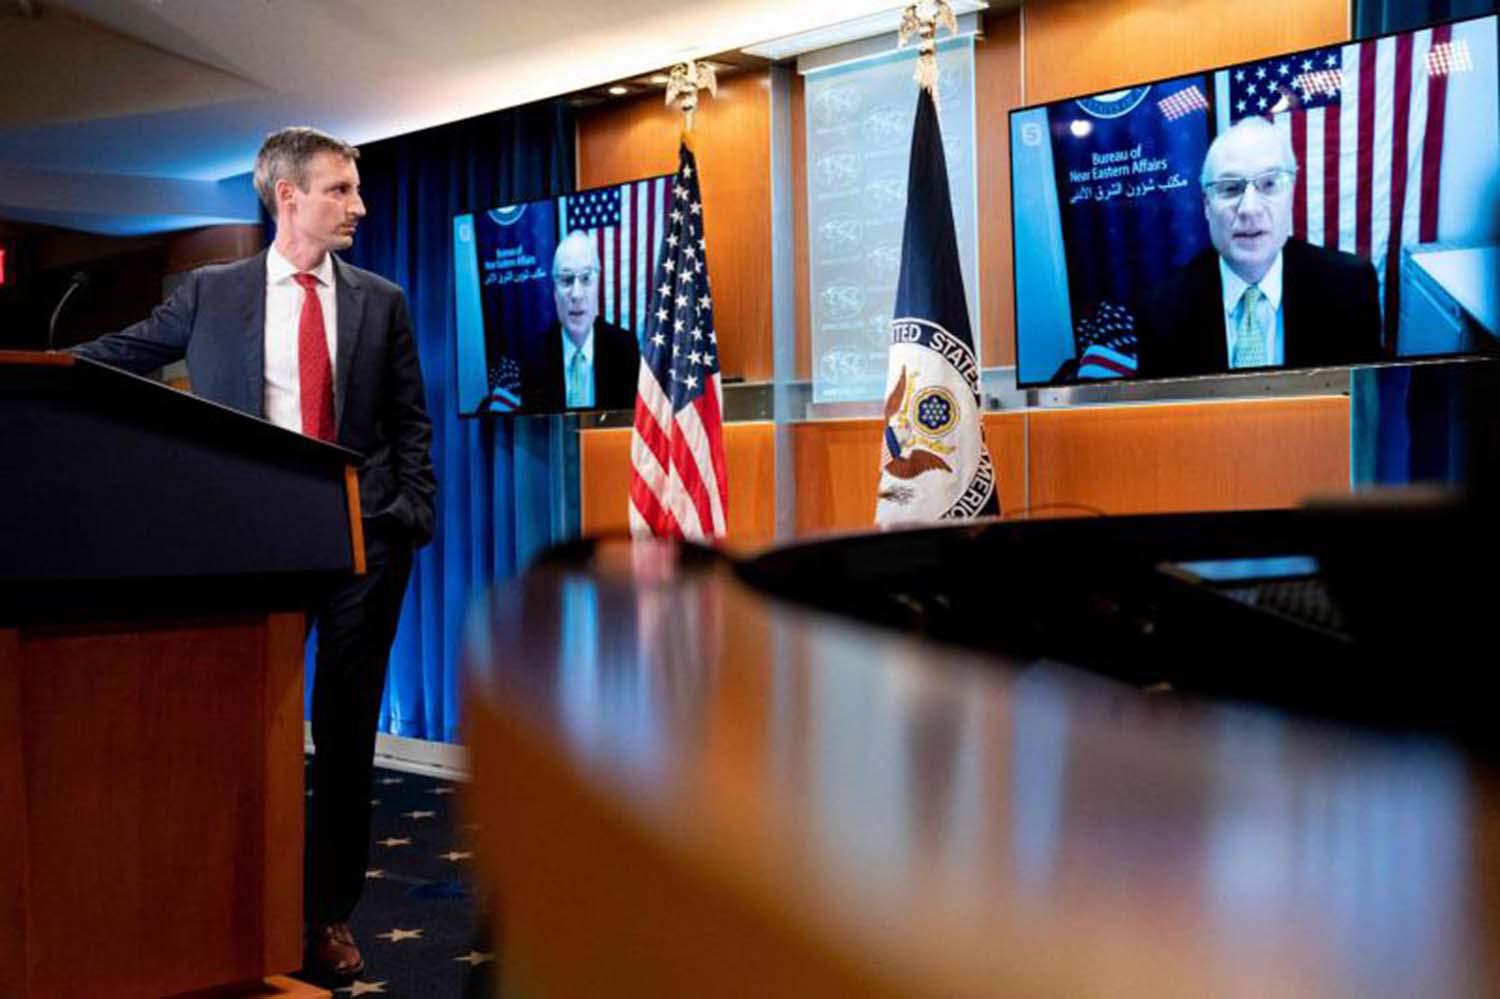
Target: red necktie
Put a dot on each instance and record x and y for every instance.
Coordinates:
(314, 370)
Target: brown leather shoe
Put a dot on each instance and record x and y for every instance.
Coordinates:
(332, 951)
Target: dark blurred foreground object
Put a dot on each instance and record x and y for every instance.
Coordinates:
(691, 778)
(156, 554)
(1224, 753)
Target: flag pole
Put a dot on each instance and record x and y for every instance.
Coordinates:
(679, 482)
(934, 461)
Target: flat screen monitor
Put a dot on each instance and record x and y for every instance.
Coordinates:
(1329, 207)
(551, 298)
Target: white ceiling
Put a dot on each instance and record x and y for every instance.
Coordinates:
(184, 90)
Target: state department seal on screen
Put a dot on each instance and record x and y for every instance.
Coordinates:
(1115, 103)
(508, 215)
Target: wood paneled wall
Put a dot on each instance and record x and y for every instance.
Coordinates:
(997, 89)
(1188, 456)
(620, 141)
(1083, 46)
(1127, 459)
(750, 460)
(803, 280)
(1198, 456)
(216, 244)
(1163, 458)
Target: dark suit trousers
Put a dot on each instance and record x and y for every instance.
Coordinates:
(356, 626)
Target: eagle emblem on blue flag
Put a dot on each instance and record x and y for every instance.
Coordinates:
(934, 463)
(916, 421)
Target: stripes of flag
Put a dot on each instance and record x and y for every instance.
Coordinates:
(1365, 121)
(627, 224)
(679, 485)
(1109, 343)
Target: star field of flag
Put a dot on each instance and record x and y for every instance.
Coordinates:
(594, 209)
(1302, 81)
(681, 348)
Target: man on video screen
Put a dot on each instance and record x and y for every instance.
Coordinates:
(581, 361)
(1258, 299)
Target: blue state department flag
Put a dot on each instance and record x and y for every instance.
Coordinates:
(934, 463)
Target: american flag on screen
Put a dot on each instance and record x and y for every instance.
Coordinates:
(1109, 343)
(1366, 122)
(678, 483)
(627, 223)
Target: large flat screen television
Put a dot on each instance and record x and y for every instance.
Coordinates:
(551, 296)
(1330, 207)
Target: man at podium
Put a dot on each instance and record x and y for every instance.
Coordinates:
(298, 337)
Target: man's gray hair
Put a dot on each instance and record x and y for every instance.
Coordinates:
(577, 236)
(1264, 130)
(285, 156)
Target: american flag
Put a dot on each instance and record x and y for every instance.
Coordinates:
(678, 482)
(627, 223)
(1183, 103)
(1109, 343)
(1366, 123)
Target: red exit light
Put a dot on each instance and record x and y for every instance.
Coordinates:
(2, 266)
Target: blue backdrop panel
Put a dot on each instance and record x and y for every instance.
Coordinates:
(1127, 178)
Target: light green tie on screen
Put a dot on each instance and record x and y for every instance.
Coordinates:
(578, 381)
(1249, 337)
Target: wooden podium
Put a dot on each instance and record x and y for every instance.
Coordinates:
(156, 553)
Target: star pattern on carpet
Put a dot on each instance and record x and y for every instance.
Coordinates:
(419, 908)
(474, 958)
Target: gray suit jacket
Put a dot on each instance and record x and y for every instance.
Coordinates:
(216, 320)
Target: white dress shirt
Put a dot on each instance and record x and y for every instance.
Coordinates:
(584, 395)
(1272, 323)
(283, 316)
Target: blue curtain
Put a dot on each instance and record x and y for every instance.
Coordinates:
(506, 485)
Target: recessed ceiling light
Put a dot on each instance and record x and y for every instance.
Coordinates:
(661, 79)
(618, 90)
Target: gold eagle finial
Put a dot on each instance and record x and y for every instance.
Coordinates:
(684, 82)
(923, 20)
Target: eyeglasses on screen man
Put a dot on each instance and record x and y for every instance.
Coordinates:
(1269, 184)
(584, 279)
